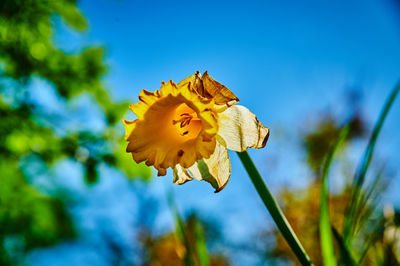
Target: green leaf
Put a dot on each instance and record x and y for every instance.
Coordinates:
(328, 254)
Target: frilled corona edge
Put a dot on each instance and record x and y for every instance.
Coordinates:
(189, 127)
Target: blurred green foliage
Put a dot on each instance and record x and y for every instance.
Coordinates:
(29, 219)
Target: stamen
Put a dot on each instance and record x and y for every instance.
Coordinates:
(185, 120)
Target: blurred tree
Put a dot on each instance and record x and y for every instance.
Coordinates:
(29, 219)
(318, 142)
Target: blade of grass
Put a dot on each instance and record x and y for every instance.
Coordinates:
(353, 206)
(345, 254)
(201, 247)
(370, 200)
(372, 188)
(180, 230)
(373, 238)
(328, 254)
(274, 209)
(371, 203)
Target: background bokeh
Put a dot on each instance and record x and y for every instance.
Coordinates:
(69, 195)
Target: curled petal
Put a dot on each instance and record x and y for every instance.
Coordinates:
(217, 91)
(240, 129)
(216, 170)
(208, 88)
(195, 83)
(181, 175)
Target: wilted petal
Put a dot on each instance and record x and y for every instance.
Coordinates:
(195, 83)
(209, 88)
(216, 170)
(217, 91)
(240, 129)
(181, 175)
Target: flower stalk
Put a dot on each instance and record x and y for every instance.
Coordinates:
(274, 209)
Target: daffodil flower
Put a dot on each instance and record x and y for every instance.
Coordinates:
(189, 127)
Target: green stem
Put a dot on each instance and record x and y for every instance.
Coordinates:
(274, 209)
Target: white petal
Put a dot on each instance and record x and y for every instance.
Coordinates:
(216, 170)
(181, 175)
(240, 129)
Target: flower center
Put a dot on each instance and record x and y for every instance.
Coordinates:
(186, 122)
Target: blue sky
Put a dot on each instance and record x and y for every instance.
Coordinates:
(285, 60)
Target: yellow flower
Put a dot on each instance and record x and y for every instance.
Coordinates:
(189, 127)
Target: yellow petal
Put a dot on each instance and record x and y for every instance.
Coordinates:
(139, 109)
(129, 127)
(217, 91)
(216, 170)
(240, 129)
(176, 128)
(147, 97)
(168, 88)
